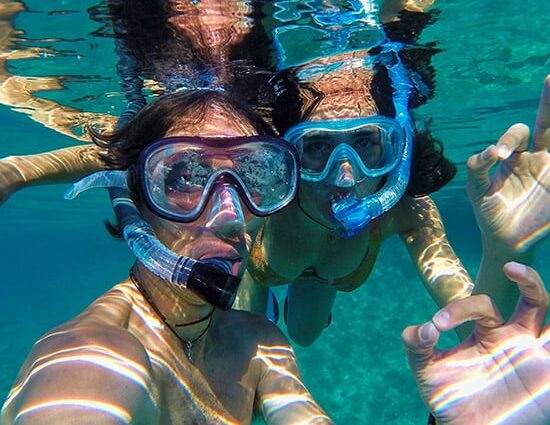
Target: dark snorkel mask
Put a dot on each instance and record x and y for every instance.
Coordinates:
(255, 156)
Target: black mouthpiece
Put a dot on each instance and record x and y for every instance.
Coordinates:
(214, 285)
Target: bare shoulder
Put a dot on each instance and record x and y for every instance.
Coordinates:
(252, 328)
(86, 369)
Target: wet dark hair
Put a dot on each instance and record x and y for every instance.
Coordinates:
(121, 148)
(295, 100)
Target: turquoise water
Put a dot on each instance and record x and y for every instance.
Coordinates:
(57, 257)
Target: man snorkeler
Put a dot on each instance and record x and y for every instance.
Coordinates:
(161, 347)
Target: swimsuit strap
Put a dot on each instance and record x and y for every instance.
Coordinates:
(258, 265)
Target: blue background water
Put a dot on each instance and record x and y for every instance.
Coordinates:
(56, 256)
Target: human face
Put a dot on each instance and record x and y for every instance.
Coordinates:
(345, 179)
(219, 232)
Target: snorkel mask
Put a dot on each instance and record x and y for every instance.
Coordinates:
(374, 147)
(178, 189)
(342, 27)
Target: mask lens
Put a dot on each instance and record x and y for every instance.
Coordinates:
(178, 177)
(268, 176)
(373, 145)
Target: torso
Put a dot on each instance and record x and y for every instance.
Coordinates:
(217, 388)
(286, 249)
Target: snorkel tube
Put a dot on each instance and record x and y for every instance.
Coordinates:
(355, 214)
(215, 285)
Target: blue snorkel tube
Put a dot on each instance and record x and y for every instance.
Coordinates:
(355, 214)
(214, 283)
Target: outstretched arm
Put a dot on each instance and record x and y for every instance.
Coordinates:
(501, 373)
(512, 206)
(96, 374)
(419, 224)
(59, 166)
(283, 397)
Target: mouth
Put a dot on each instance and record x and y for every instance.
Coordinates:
(219, 254)
(228, 266)
(340, 195)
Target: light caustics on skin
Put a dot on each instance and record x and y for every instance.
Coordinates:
(520, 203)
(91, 354)
(275, 359)
(435, 261)
(507, 359)
(107, 408)
(436, 267)
(164, 350)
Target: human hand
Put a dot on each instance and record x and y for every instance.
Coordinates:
(501, 373)
(512, 207)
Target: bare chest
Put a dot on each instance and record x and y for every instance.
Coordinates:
(213, 390)
(327, 254)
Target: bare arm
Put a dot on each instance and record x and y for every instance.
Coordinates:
(282, 395)
(59, 166)
(83, 375)
(419, 224)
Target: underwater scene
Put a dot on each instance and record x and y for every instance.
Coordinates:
(59, 76)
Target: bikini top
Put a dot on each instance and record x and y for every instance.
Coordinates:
(261, 272)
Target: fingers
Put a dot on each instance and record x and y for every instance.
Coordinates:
(420, 342)
(478, 171)
(533, 303)
(516, 138)
(477, 307)
(541, 138)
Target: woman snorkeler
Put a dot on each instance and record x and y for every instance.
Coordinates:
(366, 172)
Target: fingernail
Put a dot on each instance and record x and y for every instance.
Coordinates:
(441, 318)
(518, 268)
(486, 154)
(503, 152)
(427, 332)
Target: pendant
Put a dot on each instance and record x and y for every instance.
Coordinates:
(189, 350)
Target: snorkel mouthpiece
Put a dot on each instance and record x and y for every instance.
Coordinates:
(355, 214)
(210, 281)
(214, 285)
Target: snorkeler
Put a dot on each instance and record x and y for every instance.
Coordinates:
(160, 348)
(365, 176)
(163, 347)
(370, 86)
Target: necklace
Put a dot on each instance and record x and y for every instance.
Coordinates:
(187, 343)
(308, 215)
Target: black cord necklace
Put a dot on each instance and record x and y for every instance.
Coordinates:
(187, 343)
(308, 215)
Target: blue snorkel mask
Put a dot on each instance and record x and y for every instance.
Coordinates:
(374, 147)
(354, 214)
(343, 27)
